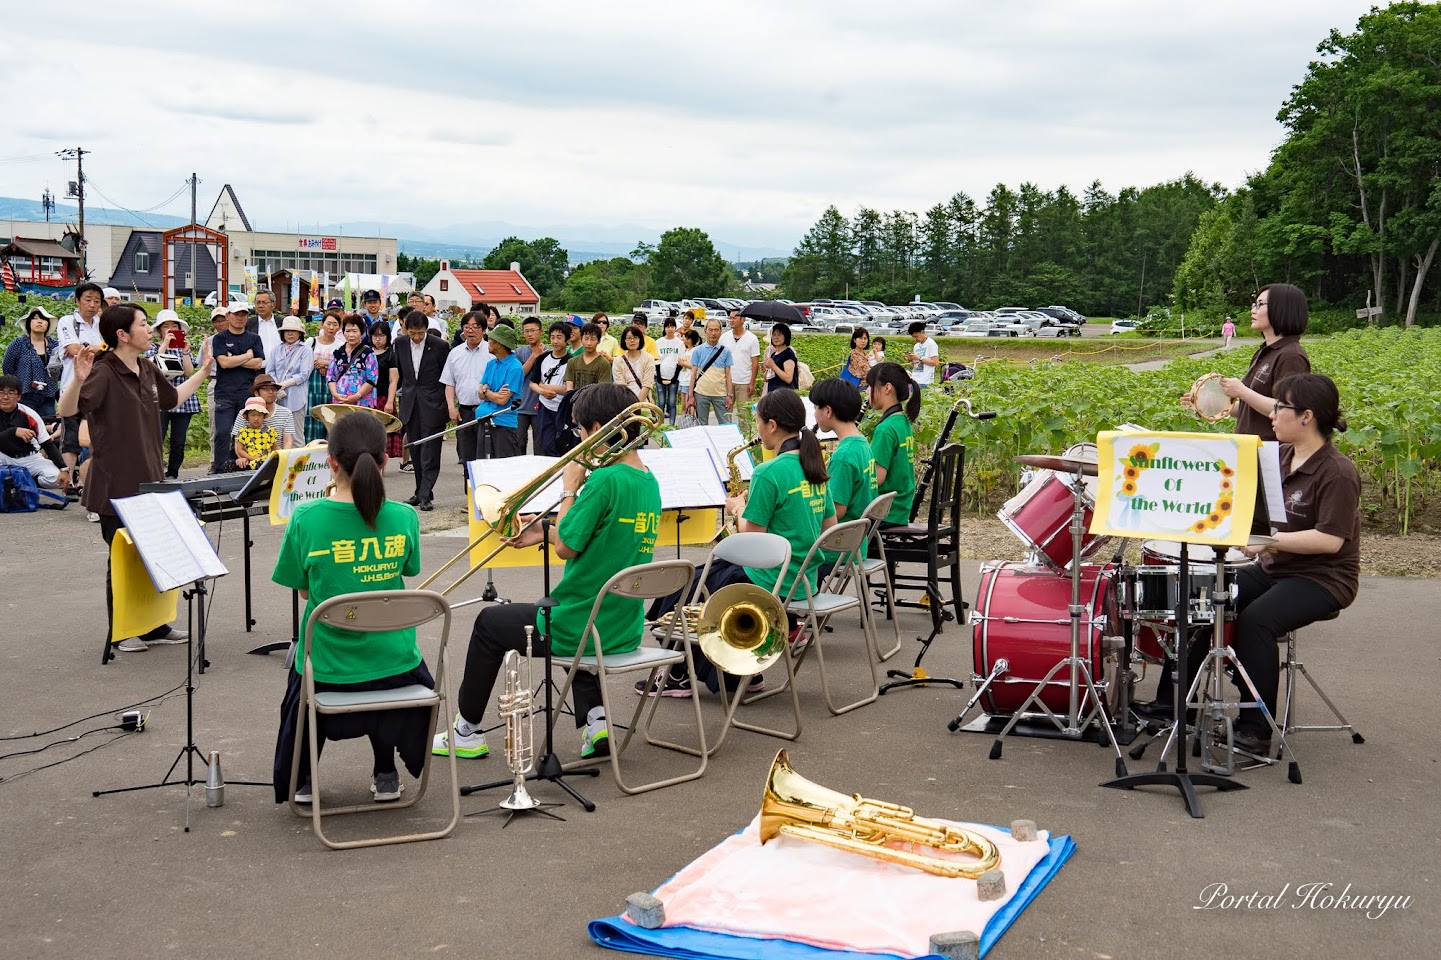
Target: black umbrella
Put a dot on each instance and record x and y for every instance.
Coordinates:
(772, 310)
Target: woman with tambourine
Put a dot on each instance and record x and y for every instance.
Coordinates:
(1279, 314)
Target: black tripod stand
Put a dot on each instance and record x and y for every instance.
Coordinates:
(547, 765)
(1182, 779)
(194, 649)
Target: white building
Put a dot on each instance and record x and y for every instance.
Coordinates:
(506, 290)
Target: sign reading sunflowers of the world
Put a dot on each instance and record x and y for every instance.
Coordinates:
(1193, 487)
(301, 475)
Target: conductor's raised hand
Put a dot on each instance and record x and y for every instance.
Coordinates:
(84, 362)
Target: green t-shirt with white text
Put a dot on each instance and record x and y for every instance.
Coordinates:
(785, 503)
(894, 448)
(852, 483)
(611, 525)
(328, 550)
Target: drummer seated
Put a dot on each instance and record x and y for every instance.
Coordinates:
(1312, 570)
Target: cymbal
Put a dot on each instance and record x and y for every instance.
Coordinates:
(1059, 464)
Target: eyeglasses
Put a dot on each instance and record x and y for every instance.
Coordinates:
(1281, 406)
(1258, 304)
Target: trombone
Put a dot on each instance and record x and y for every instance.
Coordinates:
(627, 431)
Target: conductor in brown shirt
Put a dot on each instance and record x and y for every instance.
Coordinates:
(1313, 569)
(120, 395)
(1280, 315)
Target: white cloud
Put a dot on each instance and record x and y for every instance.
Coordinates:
(746, 119)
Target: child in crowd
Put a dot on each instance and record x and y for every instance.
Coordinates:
(255, 441)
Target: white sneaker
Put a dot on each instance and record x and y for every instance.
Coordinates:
(470, 747)
(92, 516)
(132, 645)
(303, 794)
(172, 637)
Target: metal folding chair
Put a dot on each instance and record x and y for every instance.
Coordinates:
(647, 581)
(875, 512)
(373, 612)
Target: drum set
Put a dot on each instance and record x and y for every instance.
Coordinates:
(1055, 636)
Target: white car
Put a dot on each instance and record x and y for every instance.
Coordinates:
(233, 300)
(655, 311)
(1124, 326)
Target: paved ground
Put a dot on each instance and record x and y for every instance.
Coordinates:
(116, 876)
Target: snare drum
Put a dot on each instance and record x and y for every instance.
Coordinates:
(1040, 515)
(1156, 582)
(1149, 636)
(1022, 615)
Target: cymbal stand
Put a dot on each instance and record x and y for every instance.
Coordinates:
(1078, 670)
(1180, 778)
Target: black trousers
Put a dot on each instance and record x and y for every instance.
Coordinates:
(422, 423)
(179, 425)
(528, 431)
(223, 455)
(109, 524)
(550, 429)
(500, 629)
(505, 442)
(1267, 609)
(468, 442)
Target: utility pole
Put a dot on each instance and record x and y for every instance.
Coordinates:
(77, 190)
(193, 279)
(47, 200)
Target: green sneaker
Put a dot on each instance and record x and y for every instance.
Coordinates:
(470, 747)
(595, 741)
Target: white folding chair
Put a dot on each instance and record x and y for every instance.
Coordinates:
(373, 612)
(759, 551)
(816, 608)
(876, 512)
(647, 581)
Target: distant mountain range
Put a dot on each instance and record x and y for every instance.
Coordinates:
(460, 240)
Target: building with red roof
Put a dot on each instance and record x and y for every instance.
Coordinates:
(506, 290)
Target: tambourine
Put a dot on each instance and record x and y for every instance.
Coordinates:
(1208, 400)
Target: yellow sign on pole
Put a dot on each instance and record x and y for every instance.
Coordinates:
(301, 475)
(1192, 487)
(139, 607)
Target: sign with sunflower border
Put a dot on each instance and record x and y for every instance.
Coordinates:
(302, 474)
(1192, 487)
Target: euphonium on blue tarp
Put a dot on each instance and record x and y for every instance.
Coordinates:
(796, 807)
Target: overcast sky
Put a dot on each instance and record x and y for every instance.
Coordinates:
(744, 118)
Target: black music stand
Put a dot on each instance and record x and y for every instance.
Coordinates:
(547, 765)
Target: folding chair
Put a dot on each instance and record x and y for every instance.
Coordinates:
(875, 512)
(758, 551)
(815, 608)
(373, 612)
(646, 581)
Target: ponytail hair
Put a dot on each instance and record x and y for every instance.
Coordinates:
(783, 406)
(357, 443)
(900, 380)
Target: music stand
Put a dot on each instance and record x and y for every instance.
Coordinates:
(176, 554)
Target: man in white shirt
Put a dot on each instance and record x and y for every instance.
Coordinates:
(745, 358)
(438, 324)
(924, 356)
(264, 322)
(464, 366)
(78, 330)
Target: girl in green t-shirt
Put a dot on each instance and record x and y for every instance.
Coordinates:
(893, 445)
(788, 497)
(606, 521)
(852, 467)
(354, 541)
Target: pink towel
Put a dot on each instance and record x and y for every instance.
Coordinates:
(792, 889)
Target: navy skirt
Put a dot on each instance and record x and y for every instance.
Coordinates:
(406, 731)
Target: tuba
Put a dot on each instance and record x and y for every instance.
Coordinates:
(329, 413)
(796, 807)
(741, 628)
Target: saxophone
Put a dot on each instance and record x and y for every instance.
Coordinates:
(735, 486)
(517, 710)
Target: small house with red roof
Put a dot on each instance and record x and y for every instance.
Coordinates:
(506, 290)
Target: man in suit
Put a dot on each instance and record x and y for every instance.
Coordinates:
(421, 360)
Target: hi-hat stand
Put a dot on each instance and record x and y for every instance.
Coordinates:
(1181, 778)
(194, 650)
(1078, 717)
(547, 765)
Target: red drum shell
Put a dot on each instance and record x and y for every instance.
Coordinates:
(1040, 516)
(1022, 616)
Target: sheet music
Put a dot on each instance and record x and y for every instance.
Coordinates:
(1268, 459)
(720, 439)
(169, 539)
(811, 421)
(512, 473)
(686, 480)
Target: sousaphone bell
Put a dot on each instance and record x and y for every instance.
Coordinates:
(329, 413)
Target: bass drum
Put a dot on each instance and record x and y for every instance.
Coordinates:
(1022, 616)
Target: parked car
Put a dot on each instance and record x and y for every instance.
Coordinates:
(1064, 314)
(1124, 326)
(948, 305)
(234, 299)
(656, 311)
